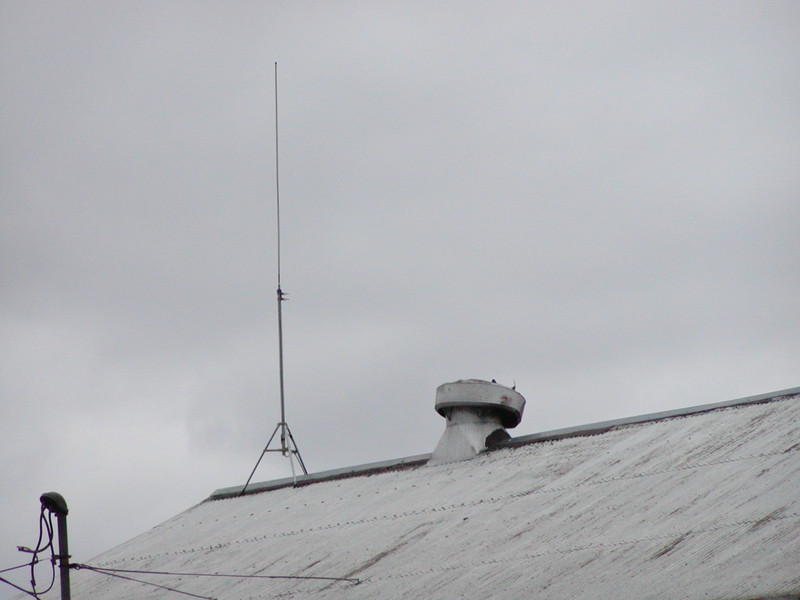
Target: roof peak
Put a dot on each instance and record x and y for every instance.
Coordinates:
(554, 434)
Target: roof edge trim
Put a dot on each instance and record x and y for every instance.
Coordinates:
(554, 434)
(300, 480)
(603, 426)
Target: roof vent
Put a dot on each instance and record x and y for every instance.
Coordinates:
(477, 414)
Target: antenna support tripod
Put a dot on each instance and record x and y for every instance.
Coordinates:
(288, 445)
(288, 448)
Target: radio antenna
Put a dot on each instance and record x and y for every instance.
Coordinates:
(288, 447)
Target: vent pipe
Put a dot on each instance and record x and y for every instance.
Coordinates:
(478, 413)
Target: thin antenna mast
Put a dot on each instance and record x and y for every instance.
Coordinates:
(288, 446)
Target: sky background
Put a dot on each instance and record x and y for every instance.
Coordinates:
(598, 202)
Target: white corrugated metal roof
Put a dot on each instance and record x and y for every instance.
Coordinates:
(699, 506)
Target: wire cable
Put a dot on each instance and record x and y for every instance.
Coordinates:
(45, 526)
(27, 564)
(14, 585)
(230, 575)
(161, 587)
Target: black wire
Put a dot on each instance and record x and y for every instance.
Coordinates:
(27, 564)
(34, 594)
(45, 525)
(163, 587)
(141, 572)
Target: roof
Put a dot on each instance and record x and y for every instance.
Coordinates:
(700, 503)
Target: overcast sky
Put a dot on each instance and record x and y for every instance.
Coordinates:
(597, 201)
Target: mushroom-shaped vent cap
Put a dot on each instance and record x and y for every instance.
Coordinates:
(468, 393)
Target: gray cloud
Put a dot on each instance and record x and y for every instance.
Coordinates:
(597, 202)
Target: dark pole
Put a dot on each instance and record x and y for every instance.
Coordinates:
(55, 503)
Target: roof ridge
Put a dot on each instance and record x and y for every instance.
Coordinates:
(555, 434)
(604, 426)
